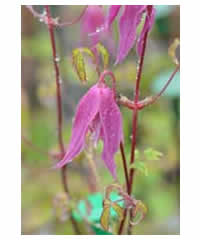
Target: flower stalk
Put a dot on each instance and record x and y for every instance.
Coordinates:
(59, 108)
(134, 126)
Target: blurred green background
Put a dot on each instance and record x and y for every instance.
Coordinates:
(158, 124)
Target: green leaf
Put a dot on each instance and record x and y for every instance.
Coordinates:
(152, 154)
(104, 54)
(105, 218)
(141, 166)
(119, 210)
(79, 63)
(100, 231)
(172, 50)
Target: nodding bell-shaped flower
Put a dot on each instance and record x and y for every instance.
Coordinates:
(97, 113)
(128, 23)
(92, 20)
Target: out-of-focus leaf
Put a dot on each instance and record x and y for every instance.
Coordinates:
(105, 218)
(152, 154)
(119, 210)
(100, 231)
(141, 166)
(104, 54)
(172, 50)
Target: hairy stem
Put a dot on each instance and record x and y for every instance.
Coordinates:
(59, 107)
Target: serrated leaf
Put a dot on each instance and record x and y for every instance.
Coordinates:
(152, 154)
(105, 218)
(119, 210)
(104, 54)
(79, 64)
(141, 166)
(172, 50)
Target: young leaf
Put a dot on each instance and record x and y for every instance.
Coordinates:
(104, 54)
(119, 210)
(105, 218)
(172, 50)
(79, 63)
(141, 166)
(152, 154)
(140, 208)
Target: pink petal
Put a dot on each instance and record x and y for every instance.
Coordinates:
(91, 21)
(111, 121)
(127, 26)
(147, 27)
(85, 113)
(113, 11)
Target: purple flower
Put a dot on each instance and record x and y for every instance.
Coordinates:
(97, 113)
(92, 20)
(128, 23)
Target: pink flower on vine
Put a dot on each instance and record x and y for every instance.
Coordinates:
(97, 113)
(128, 23)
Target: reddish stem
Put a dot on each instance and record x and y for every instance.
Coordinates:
(134, 125)
(59, 106)
(111, 74)
(149, 100)
(54, 22)
(124, 164)
(155, 98)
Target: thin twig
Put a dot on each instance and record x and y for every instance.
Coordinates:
(59, 108)
(134, 124)
(74, 21)
(124, 164)
(158, 95)
(148, 100)
(55, 21)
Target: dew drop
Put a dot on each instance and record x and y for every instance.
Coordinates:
(41, 20)
(57, 59)
(60, 81)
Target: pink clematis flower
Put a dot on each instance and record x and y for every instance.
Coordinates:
(92, 20)
(128, 23)
(97, 113)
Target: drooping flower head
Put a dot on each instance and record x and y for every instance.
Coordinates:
(98, 113)
(92, 20)
(128, 23)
